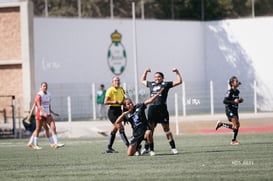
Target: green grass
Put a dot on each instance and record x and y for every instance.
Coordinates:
(201, 157)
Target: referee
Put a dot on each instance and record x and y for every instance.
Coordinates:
(114, 98)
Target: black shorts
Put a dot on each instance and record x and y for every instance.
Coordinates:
(114, 113)
(230, 113)
(138, 135)
(158, 114)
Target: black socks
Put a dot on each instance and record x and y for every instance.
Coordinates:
(124, 137)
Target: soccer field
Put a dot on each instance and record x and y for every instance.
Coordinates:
(201, 157)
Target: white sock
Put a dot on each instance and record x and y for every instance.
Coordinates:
(55, 139)
(35, 140)
(30, 140)
(50, 140)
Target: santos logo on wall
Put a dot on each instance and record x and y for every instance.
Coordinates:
(116, 54)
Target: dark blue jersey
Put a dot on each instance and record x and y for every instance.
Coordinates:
(155, 88)
(138, 117)
(231, 95)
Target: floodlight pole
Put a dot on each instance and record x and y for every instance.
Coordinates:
(135, 50)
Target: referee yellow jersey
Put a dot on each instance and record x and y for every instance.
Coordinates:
(115, 94)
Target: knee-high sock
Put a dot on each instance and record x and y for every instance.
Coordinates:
(172, 144)
(35, 140)
(146, 145)
(50, 140)
(151, 146)
(55, 139)
(124, 137)
(31, 140)
(111, 139)
(234, 134)
(226, 125)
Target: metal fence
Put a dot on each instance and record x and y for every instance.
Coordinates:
(192, 98)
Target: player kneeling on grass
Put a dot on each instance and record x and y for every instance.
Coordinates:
(135, 115)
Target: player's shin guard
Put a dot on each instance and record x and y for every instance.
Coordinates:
(234, 134)
(111, 139)
(124, 137)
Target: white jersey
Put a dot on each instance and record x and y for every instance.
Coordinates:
(45, 100)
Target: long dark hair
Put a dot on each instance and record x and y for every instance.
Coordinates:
(123, 104)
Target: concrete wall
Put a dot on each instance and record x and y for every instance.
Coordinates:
(77, 49)
(16, 55)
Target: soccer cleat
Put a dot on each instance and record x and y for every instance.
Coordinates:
(59, 145)
(144, 151)
(36, 147)
(138, 151)
(30, 145)
(56, 145)
(174, 151)
(234, 142)
(152, 153)
(111, 150)
(218, 125)
(53, 145)
(102, 133)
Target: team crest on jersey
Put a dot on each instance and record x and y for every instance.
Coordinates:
(156, 88)
(117, 57)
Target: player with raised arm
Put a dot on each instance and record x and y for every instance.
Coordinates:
(158, 111)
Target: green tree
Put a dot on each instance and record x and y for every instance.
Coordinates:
(263, 8)
(156, 9)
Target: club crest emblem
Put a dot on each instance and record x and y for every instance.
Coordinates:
(117, 58)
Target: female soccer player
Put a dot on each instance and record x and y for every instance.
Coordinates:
(231, 102)
(44, 118)
(157, 111)
(137, 118)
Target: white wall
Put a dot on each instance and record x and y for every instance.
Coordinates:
(242, 48)
(75, 50)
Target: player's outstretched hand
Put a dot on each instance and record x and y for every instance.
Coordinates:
(148, 70)
(175, 70)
